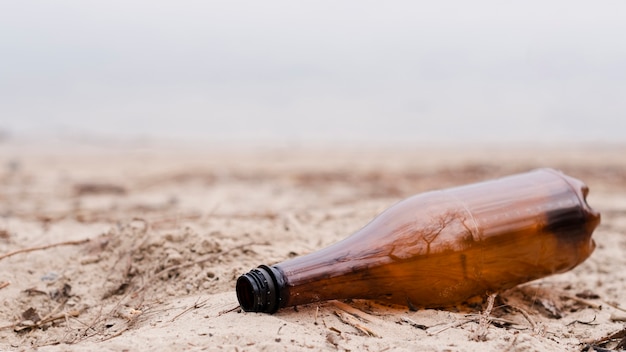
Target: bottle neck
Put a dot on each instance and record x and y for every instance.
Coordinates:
(318, 276)
(261, 290)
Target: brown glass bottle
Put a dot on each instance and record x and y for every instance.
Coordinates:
(440, 248)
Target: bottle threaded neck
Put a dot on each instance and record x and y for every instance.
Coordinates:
(259, 290)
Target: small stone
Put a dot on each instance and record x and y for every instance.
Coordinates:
(51, 276)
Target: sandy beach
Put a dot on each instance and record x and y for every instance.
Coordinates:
(137, 247)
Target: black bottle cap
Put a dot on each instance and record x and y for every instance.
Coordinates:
(260, 289)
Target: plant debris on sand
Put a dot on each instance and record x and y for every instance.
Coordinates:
(141, 251)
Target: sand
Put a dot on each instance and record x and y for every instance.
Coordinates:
(137, 247)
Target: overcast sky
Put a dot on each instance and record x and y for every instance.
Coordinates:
(315, 70)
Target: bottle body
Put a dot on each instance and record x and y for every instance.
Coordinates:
(440, 248)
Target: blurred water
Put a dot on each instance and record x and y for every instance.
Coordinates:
(316, 71)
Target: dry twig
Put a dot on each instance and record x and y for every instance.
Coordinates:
(616, 306)
(228, 310)
(449, 326)
(196, 305)
(47, 246)
(581, 301)
(618, 335)
(354, 322)
(413, 323)
(484, 320)
(618, 317)
(49, 318)
(357, 312)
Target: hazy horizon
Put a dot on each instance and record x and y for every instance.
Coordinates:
(315, 71)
